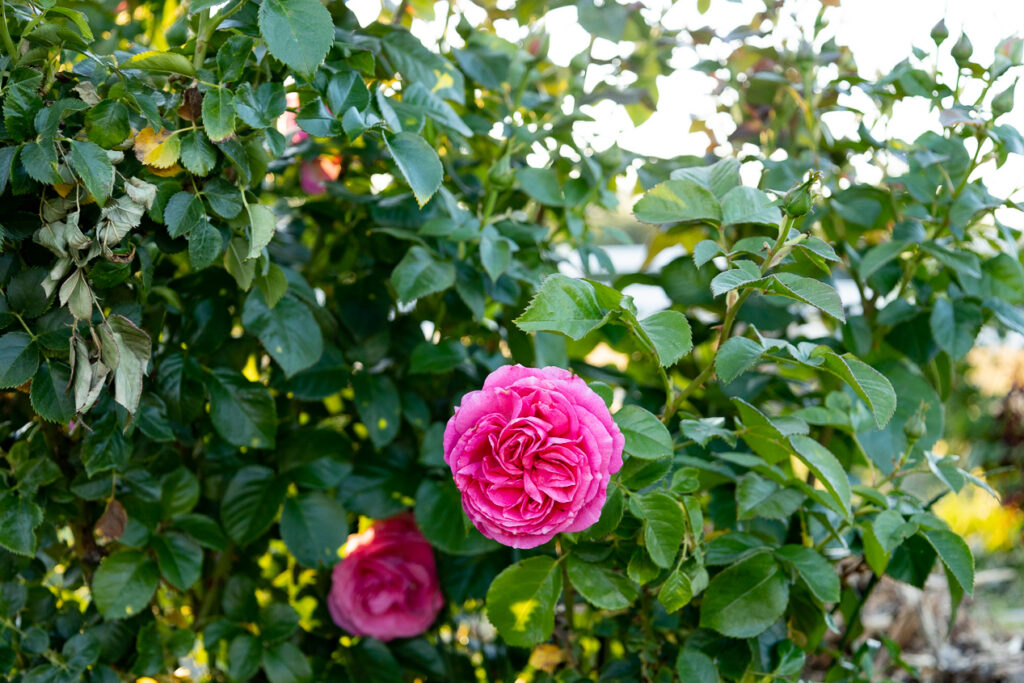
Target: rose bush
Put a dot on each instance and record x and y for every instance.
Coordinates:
(208, 375)
(532, 453)
(386, 585)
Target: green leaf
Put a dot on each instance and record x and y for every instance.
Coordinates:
(19, 518)
(288, 331)
(50, 396)
(297, 32)
(870, 385)
(94, 168)
(418, 162)
(670, 333)
(263, 225)
(566, 305)
(817, 572)
(197, 155)
(705, 251)
(379, 407)
(238, 264)
(760, 433)
(180, 559)
(203, 530)
(168, 62)
(744, 273)
(541, 184)
(826, 468)
(676, 201)
(809, 291)
(419, 274)
(955, 324)
(955, 554)
(433, 358)
(759, 497)
(748, 205)
(664, 526)
(40, 162)
(179, 492)
(105, 447)
(219, 113)
(676, 592)
(600, 586)
(124, 583)
(261, 107)
(495, 254)
(707, 428)
(693, 666)
(646, 437)
(183, 212)
(243, 412)
(19, 359)
(285, 663)
(204, 245)
(521, 601)
(745, 599)
(251, 502)
(314, 528)
(736, 356)
(244, 657)
(440, 517)
(1009, 315)
(878, 255)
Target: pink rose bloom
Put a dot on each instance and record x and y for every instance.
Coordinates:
(313, 175)
(532, 453)
(386, 587)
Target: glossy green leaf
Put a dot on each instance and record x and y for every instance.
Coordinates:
(646, 437)
(664, 526)
(419, 273)
(600, 586)
(745, 599)
(565, 305)
(418, 162)
(288, 331)
(250, 503)
(736, 356)
(817, 572)
(19, 359)
(242, 412)
(124, 583)
(179, 558)
(297, 32)
(94, 168)
(521, 601)
(955, 324)
(670, 333)
(314, 527)
(678, 201)
(19, 518)
(826, 468)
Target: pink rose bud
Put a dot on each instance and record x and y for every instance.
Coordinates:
(532, 453)
(386, 587)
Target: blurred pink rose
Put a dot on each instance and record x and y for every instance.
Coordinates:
(287, 124)
(386, 587)
(314, 174)
(532, 453)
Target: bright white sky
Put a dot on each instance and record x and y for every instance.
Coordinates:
(881, 33)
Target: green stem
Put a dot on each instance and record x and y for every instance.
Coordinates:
(220, 572)
(727, 323)
(5, 34)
